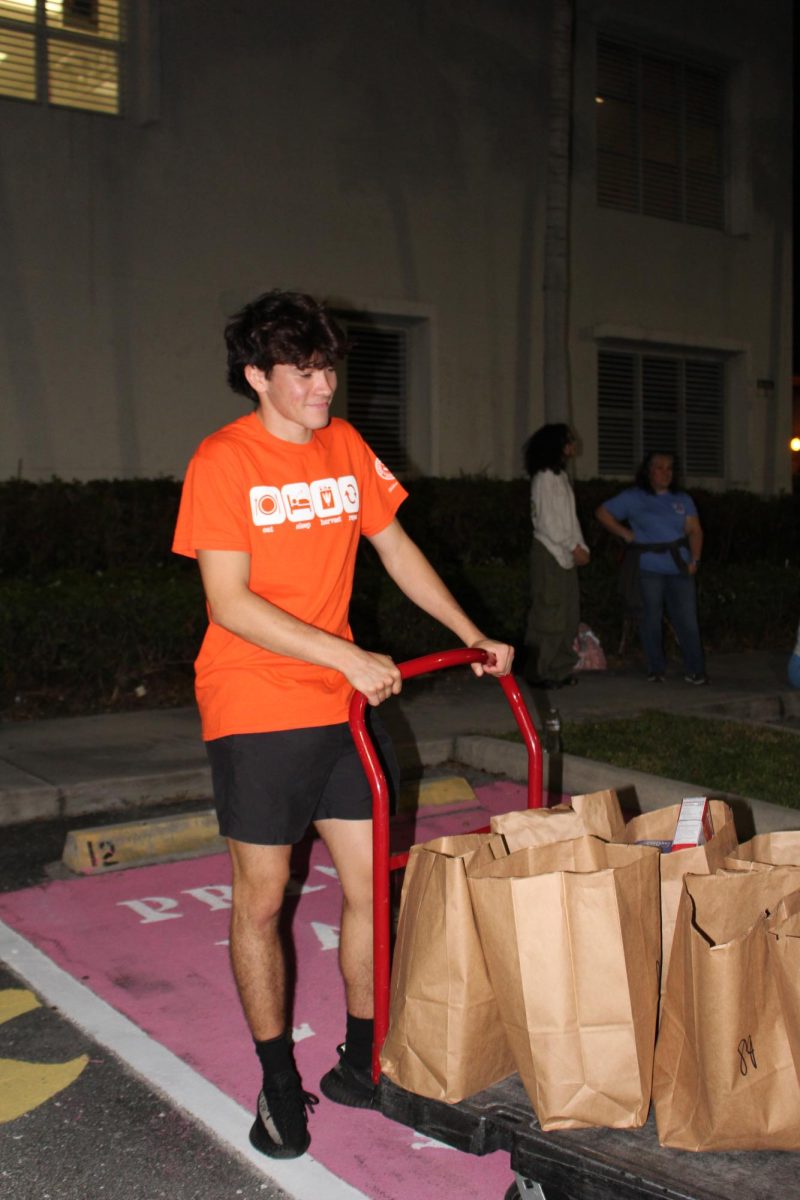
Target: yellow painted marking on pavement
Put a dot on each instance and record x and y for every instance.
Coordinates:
(113, 847)
(25, 1085)
(14, 1002)
(425, 792)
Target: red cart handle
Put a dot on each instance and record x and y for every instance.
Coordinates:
(381, 862)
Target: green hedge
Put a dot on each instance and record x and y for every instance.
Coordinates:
(101, 525)
(104, 525)
(96, 613)
(86, 641)
(496, 597)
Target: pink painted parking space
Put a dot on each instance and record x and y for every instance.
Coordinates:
(152, 942)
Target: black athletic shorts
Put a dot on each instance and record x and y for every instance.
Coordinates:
(270, 787)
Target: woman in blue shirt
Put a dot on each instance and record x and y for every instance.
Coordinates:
(662, 523)
(793, 669)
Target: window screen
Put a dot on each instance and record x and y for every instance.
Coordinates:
(62, 52)
(377, 390)
(659, 135)
(660, 402)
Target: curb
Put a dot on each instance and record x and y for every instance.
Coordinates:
(42, 801)
(45, 802)
(636, 789)
(497, 756)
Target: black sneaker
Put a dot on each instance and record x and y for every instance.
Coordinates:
(346, 1084)
(281, 1127)
(655, 677)
(697, 680)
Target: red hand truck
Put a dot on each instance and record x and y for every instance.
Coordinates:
(382, 861)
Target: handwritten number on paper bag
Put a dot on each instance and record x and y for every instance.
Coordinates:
(746, 1048)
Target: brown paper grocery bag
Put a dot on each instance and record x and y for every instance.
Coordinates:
(572, 941)
(699, 860)
(781, 849)
(725, 1076)
(783, 928)
(445, 1040)
(598, 813)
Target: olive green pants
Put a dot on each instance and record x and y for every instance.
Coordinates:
(553, 618)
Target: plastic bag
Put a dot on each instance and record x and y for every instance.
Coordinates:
(589, 651)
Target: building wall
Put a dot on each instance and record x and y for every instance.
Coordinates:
(388, 158)
(381, 159)
(661, 283)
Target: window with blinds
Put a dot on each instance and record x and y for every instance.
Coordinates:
(62, 52)
(660, 402)
(377, 389)
(660, 126)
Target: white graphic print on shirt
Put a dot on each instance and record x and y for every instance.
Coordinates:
(322, 498)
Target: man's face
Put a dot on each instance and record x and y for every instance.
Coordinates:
(293, 401)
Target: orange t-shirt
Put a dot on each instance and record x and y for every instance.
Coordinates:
(298, 511)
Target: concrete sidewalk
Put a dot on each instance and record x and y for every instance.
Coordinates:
(109, 763)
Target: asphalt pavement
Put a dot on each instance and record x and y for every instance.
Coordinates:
(108, 1133)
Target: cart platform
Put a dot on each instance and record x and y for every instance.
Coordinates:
(590, 1164)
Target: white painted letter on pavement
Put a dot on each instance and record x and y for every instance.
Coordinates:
(152, 908)
(215, 895)
(328, 935)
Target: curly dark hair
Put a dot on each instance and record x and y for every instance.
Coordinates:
(642, 479)
(281, 327)
(544, 450)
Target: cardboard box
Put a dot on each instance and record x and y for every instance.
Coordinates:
(694, 826)
(662, 844)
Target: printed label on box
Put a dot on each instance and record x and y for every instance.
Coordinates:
(694, 826)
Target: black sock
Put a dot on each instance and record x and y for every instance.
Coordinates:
(275, 1055)
(358, 1041)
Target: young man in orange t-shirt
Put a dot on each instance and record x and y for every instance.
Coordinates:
(273, 507)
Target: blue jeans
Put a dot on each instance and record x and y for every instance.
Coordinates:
(794, 670)
(677, 594)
